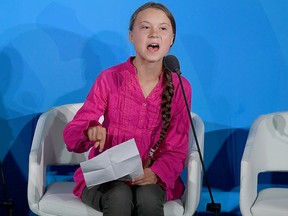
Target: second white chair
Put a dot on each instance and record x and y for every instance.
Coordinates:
(266, 150)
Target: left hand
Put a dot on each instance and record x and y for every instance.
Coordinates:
(149, 177)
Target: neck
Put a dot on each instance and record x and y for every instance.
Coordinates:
(148, 71)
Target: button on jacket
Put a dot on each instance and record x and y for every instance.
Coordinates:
(117, 95)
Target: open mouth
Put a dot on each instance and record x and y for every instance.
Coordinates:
(153, 47)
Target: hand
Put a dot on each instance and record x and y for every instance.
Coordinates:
(97, 134)
(149, 177)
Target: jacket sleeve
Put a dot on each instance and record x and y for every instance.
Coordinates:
(75, 133)
(171, 156)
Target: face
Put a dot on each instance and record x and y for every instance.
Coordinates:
(152, 35)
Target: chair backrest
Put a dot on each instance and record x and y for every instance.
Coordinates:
(193, 187)
(199, 129)
(268, 138)
(54, 151)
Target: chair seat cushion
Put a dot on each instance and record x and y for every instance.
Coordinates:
(173, 208)
(59, 200)
(271, 201)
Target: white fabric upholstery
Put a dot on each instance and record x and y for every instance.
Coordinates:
(266, 150)
(271, 201)
(57, 198)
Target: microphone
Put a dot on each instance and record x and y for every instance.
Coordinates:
(171, 63)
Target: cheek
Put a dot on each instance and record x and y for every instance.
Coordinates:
(137, 34)
(168, 42)
(139, 39)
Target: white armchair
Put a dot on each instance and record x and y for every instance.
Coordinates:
(57, 198)
(266, 150)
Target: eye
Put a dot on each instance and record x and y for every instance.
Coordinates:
(145, 27)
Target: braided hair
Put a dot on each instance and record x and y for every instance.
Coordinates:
(166, 104)
(167, 96)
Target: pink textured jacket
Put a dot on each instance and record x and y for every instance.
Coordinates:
(117, 95)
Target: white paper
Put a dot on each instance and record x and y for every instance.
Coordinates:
(119, 162)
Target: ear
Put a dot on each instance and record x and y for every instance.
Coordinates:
(172, 39)
(131, 37)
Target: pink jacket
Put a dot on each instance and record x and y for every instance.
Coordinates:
(117, 95)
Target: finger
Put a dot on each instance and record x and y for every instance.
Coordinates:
(96, 144)
(101, 146)
(90, 134)
(140, 182)
(102, 140)
(137, 180)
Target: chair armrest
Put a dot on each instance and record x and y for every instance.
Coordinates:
(37, 168)
(194, 183)
(249, 170)
(248, 186)
(194, 167)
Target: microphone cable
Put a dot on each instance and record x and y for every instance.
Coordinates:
(172, 64)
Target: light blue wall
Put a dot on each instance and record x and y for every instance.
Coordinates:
(234, 53)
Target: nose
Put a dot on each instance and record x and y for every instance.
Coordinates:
(154, 33)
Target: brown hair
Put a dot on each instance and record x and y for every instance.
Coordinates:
(168, 91)
(167, 96)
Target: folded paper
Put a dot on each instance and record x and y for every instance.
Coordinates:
(119, 162)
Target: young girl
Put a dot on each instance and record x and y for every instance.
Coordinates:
(139, 99)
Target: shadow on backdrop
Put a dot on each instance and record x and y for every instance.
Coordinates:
(6, 131)
(15, 133)
(224, 170)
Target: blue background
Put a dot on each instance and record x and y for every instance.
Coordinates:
(234, 53)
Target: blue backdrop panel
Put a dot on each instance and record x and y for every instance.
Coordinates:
(234, 53)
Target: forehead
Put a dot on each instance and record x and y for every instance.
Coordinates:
(152, 15)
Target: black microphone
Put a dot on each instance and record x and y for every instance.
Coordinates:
(171, 63)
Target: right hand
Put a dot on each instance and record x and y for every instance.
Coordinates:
(97, 134)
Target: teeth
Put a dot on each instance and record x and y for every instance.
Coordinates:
(154, 45)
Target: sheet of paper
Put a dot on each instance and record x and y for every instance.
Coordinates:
(119, 162)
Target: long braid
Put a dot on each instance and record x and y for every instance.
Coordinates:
(166, 111)
(166, 104)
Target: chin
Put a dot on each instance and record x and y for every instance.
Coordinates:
(151, 57)
(154, 58)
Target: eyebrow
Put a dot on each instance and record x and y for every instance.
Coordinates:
(164, 23)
